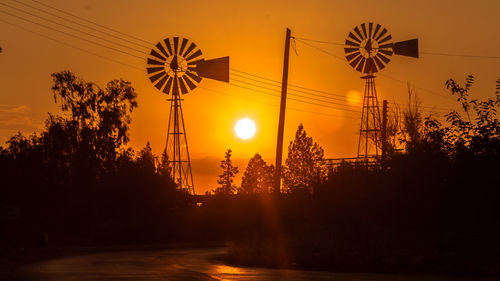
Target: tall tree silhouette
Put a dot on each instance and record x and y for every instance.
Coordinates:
(98, 118)
(305, 164)
(258, 177)
(227, 177)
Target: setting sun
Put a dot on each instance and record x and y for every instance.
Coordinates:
(245, 128)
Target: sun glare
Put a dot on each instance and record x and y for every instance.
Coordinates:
(353, 98)
(245, 128)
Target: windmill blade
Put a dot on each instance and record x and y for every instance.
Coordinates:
(169, 47)
(162, 50)
(194, 55)
(183, 45)
(407, 48)
(386, 46)
(176, 45)
(385, 52)
(352, 56)
(384, 31)
(377, 28)
(383, 58)
(161, 82)
(189, 49)
(379, 63)
(356, 61)
(154, 69)
(182, 85)
(361, 65)
(356, 29)
(157, 76)
(370, 66)
(155, 54)
(353, 37)
(167, 90)
(389, 37)
(363, 27)
(155, 62)
(350, 50)
(216, 69)
(370, 29)
(188, 82)
(350, 43)
(194, 76)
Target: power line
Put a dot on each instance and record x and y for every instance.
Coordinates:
(290, 89)
(292, 94)
(294, 99)
(460, 55)
(321, 50)
(72, 46)
(389, 77)
(142, 58)
(91, 22)
(276, 105)
(290, 85)
(146, 53)
(75, 29)
(72, 35)
(80, 24)
(416, 87)
(142, 70)
(425, 53)
(319, 41)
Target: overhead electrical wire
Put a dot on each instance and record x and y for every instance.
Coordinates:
(293, 99)
(75, 29)
(91, 22)
(420, 52)
(140, 69)
(309, 92)
(146, 53)
(277, 105)
(315, 92)
(85, 26)
(148, 42)
(383, 75)
(292, 94)
(72, 35)
(73, 46)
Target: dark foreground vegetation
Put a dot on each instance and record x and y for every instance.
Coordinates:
(431, 208)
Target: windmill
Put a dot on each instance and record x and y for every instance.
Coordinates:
(369, 49)
(175, 67)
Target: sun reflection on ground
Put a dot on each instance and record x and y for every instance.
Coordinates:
(225, 272)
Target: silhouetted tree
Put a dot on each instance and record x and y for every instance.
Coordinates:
(412, 121)
(305, 165)
(147, 160)
(258, 177)
(98, 118)
(226, 179)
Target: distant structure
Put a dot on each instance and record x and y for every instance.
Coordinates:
(368, 49)
(175, 67)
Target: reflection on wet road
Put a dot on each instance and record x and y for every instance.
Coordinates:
(187, 264)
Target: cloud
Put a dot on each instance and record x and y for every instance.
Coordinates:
(16, 118)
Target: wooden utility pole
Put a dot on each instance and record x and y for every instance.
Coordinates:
(384, 132)
(281, 124)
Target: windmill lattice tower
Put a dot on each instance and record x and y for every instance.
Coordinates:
(368, 49)
(176, 67)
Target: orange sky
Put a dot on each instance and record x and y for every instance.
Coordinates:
(252, 34)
